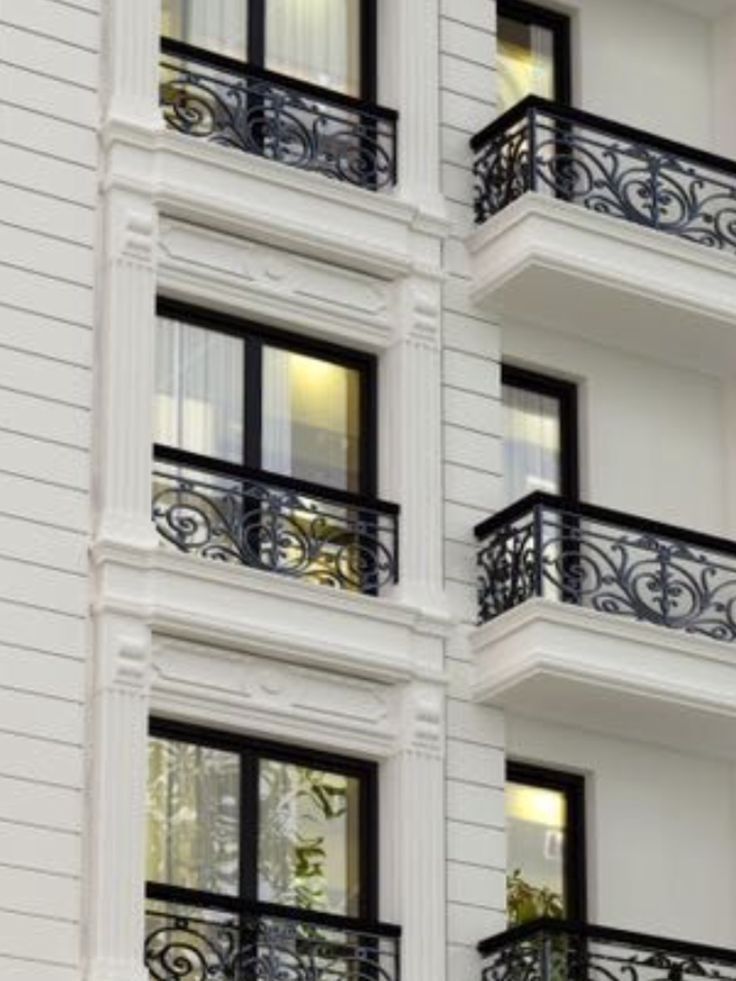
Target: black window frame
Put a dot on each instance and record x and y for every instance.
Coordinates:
(572, 786)
(559, 24)
(566, 395)
(251, 750)
(255, 336)
(256, 48)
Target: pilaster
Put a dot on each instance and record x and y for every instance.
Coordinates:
(132, 30)
(116, 862)
(412, 834)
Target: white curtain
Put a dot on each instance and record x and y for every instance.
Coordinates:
(276, 411)
(315, 40)
(199, 390)
(215, 25)
(531, 443)
(525, 62)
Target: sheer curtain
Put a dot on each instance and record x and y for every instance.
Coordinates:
(531, 444)
(215, 25)
(199, 390)
(525, 62)
(315, 40)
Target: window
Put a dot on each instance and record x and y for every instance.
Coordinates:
(540, 434)
(546, 844)
(533, 53)
(330, 43)
(238, 394)
(233, 822)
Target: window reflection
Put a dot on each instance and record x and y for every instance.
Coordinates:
(536, 831)
(215, 25)
(525, 60)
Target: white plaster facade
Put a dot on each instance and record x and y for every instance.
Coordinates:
(102, 209)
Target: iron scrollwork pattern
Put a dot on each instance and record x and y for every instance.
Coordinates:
(559, 951)
(205, 946)
(572, 156)
(355, 143)
(607, 562)
(277, 529)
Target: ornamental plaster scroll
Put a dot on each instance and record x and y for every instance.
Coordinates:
(252, 270)
(274, 697)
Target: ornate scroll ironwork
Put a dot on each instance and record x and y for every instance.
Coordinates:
(608, 168)
(259, 113)
(607, 561)
(553, 950)
(256, 523)
(207, 946)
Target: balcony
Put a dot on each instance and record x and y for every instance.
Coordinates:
(186, 943)
(592, 227)
(275, 524)
(218, 100)
(624, 623)
(554, 950)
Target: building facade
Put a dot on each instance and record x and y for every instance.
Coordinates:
(368, 566)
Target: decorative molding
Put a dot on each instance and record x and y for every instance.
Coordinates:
(422, 720)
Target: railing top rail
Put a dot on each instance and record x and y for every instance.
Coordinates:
(224, 904)
(215, 468)
(609, 126)
(591, 931)
(180, 49)
(619, 519)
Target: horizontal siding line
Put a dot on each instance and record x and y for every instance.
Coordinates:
(465, 23)
(77, 790)
(45, 440)
(466, 169)
(81, 618)
(43, 524)
(82, 491)
(70, 876)
(50, 357)
(37, 960)
(46, 740)
(35, 564)
(449, 386)
(44, 275)
(469, 466)
(18, 646)
(489, 104)
(52, 78)
(448, 53)
(48, 316)
(464, 905)
(471, 824)
(470, 429)
(469, 354)
(48, 917)
(474, 783)
(51, 399)
(21, 689)
(457, 129)
(12, 823)
(90, 168)
(470, 742)
(88, 128)
(472, 865)
(46, 194)
(476, 318)
(76, 6)
(51, 235)
(53, 37)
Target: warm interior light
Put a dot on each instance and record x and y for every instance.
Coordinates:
(535, 806)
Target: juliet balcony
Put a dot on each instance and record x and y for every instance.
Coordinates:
(625, 624)
(193, 943)
(217, 100)
(275, 524)
(554, 950)
(592, 227)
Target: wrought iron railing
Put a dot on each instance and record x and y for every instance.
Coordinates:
(275, 523)
(544, 546)
(555, 950)
(222, 101)
(606, 167)
(186, 943)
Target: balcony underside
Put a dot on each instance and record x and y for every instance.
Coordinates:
(556, 265)
(576, 666)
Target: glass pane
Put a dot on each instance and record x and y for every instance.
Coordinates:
(315, 40)
(308, 848)
(535, 825)
(215, 25)
(531, 442)
(311, 419)
(525, 62)
(193, 816)
(199, 390)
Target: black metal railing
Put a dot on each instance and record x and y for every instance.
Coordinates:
(275, 523)
(186, 943)
(555, 950)
(222, 101)
(606, 167)
(547, 547)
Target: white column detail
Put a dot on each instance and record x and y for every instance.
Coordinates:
(411, 441)
(412, 836)
(116, 858)
(409, 82)
(131, 46)
(125, 382)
